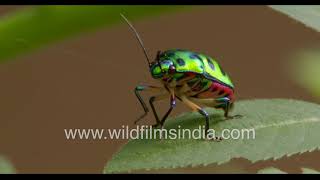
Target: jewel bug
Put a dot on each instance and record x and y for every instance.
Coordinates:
(193, 78)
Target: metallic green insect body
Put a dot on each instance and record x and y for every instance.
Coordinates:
(193, 78)
(186, 61)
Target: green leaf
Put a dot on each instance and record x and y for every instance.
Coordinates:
(308, 15)
(305, 71)
(34, 27)
(6, 167)
(309, 171)
(271, 170)
(282, 127)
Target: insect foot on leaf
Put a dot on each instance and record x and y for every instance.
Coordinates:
(238, 116)
(215, 138)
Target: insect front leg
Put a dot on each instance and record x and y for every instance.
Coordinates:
(137, 91)
(172, 105)
(151, 101)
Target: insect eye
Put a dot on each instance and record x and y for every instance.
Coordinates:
(172, 69)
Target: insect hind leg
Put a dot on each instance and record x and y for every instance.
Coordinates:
(223, 103)
(226, 105)
(200, 110)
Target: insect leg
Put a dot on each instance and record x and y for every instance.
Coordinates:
(137, 91)
(226, 106)
(197, 108)
(172, 105)
(226, 110)
(151, 101)
(223, 103)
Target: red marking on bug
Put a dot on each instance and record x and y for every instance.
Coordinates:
(217, 90)
(190, 74)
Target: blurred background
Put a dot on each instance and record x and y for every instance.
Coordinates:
(76, 67)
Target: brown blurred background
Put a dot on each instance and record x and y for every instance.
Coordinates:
(87, 82)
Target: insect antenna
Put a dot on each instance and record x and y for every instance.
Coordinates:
(138, 38)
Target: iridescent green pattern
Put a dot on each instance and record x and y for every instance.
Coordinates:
(155, 71)
(188, 61)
